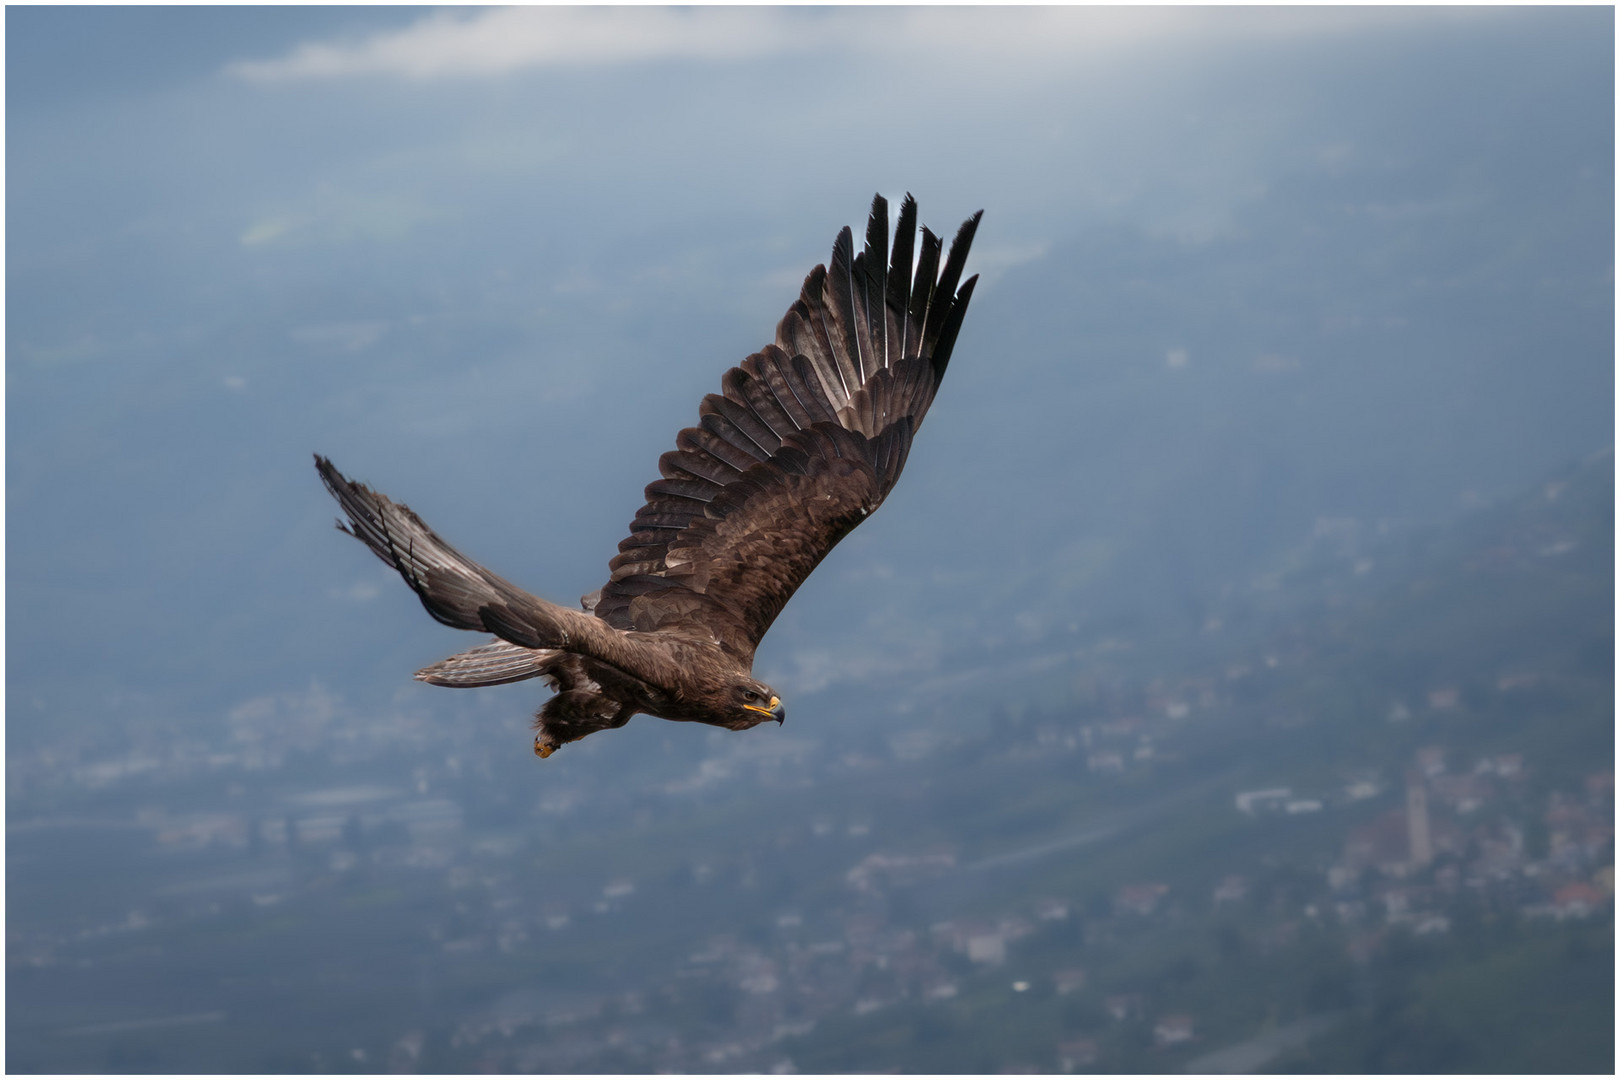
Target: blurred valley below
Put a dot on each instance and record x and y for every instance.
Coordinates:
(1227, 685)
(1356, 817)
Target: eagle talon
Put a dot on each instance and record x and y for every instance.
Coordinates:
(544, 749)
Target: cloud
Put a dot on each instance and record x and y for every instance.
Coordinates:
(335, 215)
(501, 40)
(490, 42)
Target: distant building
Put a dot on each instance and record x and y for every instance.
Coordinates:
(1077, 1054)
(1068, 980)
(1234, 888)
(758, 975)
(1121, 1007)
(1356, 790)
(983, 942)
(1420, 851)
(1105, 761)
(1443, 698)
(1173, 1029)
(1052, 910)
(1122, 728)
(1382, 844)
(1264, 800)
(1464, 792)
(989, 947)
(1576, 900)
(1139, 899)
(878, 872)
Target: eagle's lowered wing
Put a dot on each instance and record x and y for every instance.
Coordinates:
(806, 440)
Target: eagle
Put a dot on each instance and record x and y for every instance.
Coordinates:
(805, 440)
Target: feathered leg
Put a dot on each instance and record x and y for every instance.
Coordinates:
(574, 714)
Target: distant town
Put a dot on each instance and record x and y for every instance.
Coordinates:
(1404, 844)
(1258, 857)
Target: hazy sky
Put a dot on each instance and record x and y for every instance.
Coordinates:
(490, 259)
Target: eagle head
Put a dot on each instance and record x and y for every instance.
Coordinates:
(756, 703)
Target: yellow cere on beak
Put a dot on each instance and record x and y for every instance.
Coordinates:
(770, 711)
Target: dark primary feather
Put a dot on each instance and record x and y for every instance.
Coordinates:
(806, 439)
(873, 263)
(840, 313)
(899, 294)
(946, 317)
(922, 291)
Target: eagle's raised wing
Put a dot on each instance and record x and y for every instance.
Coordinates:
(807, 438)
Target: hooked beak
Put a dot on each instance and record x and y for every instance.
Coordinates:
(775, 711)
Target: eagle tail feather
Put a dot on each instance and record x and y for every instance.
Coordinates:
(492, 664)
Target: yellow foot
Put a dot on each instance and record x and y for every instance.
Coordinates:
(543, 749)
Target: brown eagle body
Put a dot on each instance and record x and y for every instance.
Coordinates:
(806, 439)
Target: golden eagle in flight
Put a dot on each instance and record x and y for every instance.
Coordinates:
(804, 441)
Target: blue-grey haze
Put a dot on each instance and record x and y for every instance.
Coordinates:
(1238, 291)
(1229, 290)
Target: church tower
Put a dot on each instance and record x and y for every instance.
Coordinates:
(1420, 851)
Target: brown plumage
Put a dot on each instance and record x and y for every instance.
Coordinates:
(804, 441)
